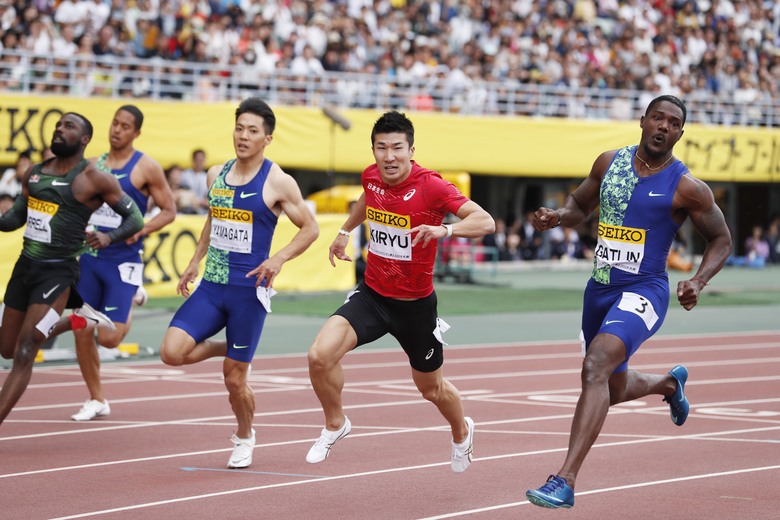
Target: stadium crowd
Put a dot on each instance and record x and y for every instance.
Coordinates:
(695, 49)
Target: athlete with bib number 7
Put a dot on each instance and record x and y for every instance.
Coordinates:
(645, 195)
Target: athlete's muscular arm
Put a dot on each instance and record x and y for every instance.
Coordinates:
(475, 222)
(695, 198)
(288, 197)
(356, 217)
(191, 272)
(16, 217)
(161, 193)
(579, 204)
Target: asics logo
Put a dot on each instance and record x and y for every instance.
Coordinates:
(58, 183)
(410, 194)
(656, 194)
(240, 346)
(613, 321)
(429, 355)
(48, 293)
(245, 194)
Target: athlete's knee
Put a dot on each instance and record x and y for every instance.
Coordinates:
(25, 352)
(595, 371)
(235, 381)
(171, 355)
(436, 392)
(322, 357)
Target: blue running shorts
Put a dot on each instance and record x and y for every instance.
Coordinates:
(101, 286)
(632, 312)
(215, 306)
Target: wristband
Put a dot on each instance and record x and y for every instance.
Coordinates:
(699, 280)
(344, 232)
(448, 227)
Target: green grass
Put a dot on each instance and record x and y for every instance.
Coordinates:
(465, 299)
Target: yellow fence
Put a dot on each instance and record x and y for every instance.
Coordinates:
(305, 139)
(168, 252)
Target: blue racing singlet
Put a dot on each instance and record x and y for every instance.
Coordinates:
(636, 228)
(106, 219)
(242, 227)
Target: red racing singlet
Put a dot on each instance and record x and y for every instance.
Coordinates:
(394, 268)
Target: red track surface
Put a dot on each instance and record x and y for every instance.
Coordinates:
(162, 452)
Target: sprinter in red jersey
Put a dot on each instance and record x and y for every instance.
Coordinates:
(404, 206)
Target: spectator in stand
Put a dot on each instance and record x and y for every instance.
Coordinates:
(182, 194)
(195, 178)
(530, 238)
(773, 238)
(11, 180)
(756, 250)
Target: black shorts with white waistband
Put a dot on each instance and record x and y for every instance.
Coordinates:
(412, 323)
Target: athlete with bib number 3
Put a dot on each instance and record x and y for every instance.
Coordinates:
(645, 195)
(404, 206)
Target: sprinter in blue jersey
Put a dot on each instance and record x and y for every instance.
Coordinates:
(246, 196)
(645, 194)
(111, 277)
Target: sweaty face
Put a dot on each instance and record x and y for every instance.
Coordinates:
(249, 137)
(393, 156)
(66, 141)
(662, 127)
(123, 131)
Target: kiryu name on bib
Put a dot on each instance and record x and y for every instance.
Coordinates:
(39, 215)
(105, 217)
(620, 247)
(389, 234)
(231, 229)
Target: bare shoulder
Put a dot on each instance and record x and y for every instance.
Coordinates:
(280, 179)
(692, 193)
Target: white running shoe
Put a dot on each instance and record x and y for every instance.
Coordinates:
(321, 448)
(95, 317)
(462, 453)
(242, 452)
(91, 409)
(141, 296)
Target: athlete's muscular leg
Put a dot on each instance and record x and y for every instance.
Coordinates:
(630, 385)
(333, 341)
(9, 332)
(29, 341)
(605, 353)
(445, 396)
(179, 348)
(241, 396)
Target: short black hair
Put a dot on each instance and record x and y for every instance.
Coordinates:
(671, 99)
(257, 106)
(135, 112)
(87, 125)
(393, 122)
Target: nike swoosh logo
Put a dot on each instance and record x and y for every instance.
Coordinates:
(48, 293)
(120, 176)
(109, 309)
(245, 195)
(656, 194)
(613, 321)
(240, 346)
(58, 183)
(128, 205)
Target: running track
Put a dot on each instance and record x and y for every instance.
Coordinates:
(162, 452)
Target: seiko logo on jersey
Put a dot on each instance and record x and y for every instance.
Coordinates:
(376, 189)
(218, 192)
(235, 215)
(624, 234)
(389, 234)
(384, 217)
(41, 206)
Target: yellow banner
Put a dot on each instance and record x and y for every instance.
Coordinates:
(306, 139)
(167, 253)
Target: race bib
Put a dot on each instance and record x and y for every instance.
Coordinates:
(105, 217)
(390, 237)
(620, 248)
(231, 229)
(132, 273)
(639, 305)
(39, 215)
